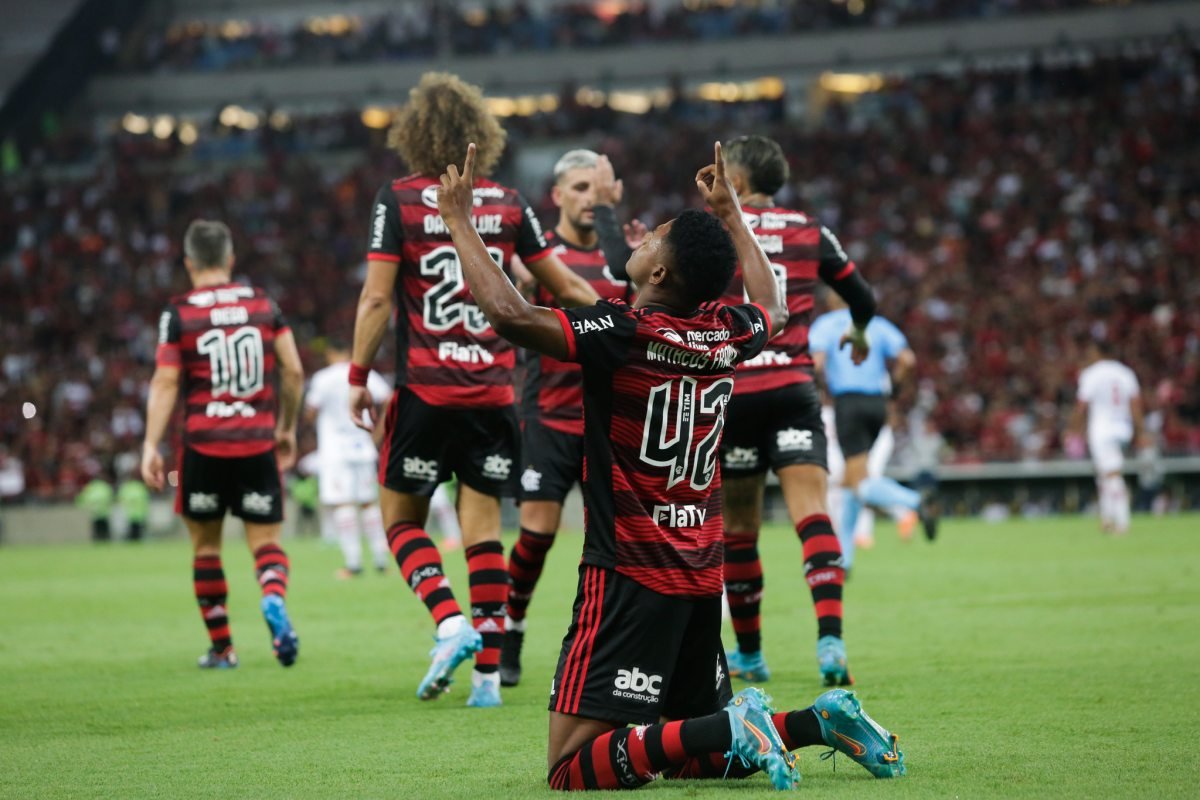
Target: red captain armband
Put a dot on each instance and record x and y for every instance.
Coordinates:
(358, 375)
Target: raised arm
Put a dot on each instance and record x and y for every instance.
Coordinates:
(508, 312)
(613, 242)
(761, 286)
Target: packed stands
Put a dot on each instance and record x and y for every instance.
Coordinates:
(1004, 216)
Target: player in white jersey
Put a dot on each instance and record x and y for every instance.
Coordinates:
(1111, 400)
(347, 459)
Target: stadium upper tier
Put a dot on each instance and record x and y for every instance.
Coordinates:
(210, 37)
(1003, 216)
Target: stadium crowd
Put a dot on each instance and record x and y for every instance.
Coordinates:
(422, 30)
(1003, 216)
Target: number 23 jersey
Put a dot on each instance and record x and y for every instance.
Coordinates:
(223, 340)
(446, 352)
(655, 390)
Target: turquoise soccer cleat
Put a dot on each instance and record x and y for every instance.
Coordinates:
(848, 729)
(284, 640)
(447, 654)
(831, 660)
(751, 667)
(755, 740)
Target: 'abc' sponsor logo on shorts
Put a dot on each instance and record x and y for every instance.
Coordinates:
(637, 685)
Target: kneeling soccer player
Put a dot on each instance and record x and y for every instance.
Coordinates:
(644, 644)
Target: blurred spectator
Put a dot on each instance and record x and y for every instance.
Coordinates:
(134, 499)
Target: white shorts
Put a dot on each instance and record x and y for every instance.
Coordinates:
(343, 482)
(1108, 451)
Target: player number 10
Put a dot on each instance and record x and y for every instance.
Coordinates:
(235, 359)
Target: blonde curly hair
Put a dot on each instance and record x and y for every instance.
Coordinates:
(443, 115)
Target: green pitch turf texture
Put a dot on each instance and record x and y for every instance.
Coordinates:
(1024, 659)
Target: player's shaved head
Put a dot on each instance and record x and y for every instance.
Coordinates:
(575, 159)
(208, 244)
(761, 160)
(443, 115)
(704, 258)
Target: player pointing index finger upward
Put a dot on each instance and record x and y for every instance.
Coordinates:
(644, 643)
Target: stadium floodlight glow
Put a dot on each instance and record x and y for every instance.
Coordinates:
(28, 410)
(376, 117)
(135, 124)
(188, 134)
(248, 121)
(631, 102)
(230, 116)
(851, 82)
(280, 120)
(164, 126)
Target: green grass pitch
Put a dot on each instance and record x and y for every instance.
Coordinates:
(1025, 659)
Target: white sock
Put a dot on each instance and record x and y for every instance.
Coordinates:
(372, 522)
(447, 517)
(1120, 502)
(479, 678)
(865, 527)
(345, 522)
(1104, 501)
(450, 626)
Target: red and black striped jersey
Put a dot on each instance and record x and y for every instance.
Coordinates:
(446, 352)
(554, 389)
(223, 340)
(801, 250)
(655, 390)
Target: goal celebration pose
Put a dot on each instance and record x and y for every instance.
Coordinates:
(644, 643)
(221, 342)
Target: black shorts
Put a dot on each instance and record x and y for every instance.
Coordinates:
(424, 445)
(248, 486)
(859, 419)
(553, 462)
(633, 655)
(774, 429)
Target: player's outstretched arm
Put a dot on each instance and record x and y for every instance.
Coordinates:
(761, 286)
(513, 318)
(164, 389)
(291, 390)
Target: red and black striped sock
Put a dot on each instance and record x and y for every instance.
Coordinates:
(796, 728)
(626, 758)
(824, 572)
(208, 579)
(489, 590)
(271, 566)
(421, 565)
(525, 564)
(744, 587)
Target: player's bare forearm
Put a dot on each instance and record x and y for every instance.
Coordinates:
(1078, 414)
(164, 389)
(906, 360)
(568, 289)
(761, 287)
(291, 380)
(509, 313)
(373, 311)
(760, 283)
(513, 318)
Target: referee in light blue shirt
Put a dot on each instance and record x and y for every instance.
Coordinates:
(860, 394)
